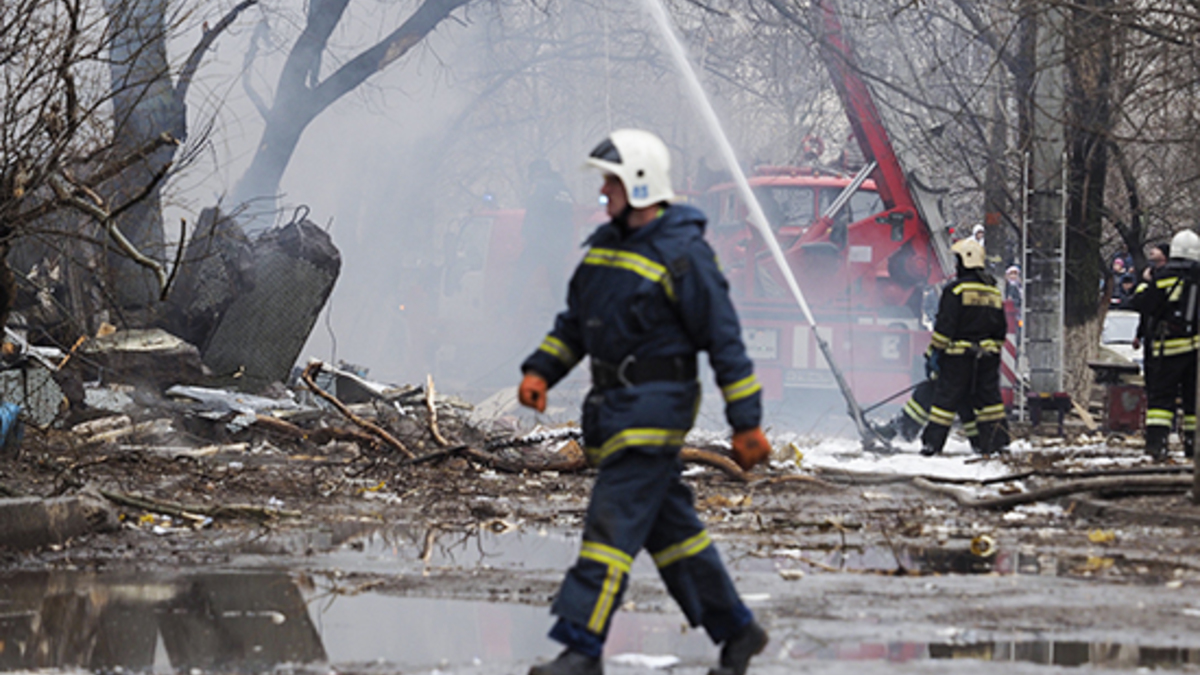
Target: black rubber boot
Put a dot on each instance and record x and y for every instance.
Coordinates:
(885, 431)
(1156, 442)
(739, 649)
(907, 427)
(978, 445)
(570, 663)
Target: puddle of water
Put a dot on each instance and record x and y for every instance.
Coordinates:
(244, 622)
(410, 549)
(1045, 652)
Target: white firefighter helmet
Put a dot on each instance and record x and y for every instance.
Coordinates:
(642, 162)
(971, 252)
(1186, 244)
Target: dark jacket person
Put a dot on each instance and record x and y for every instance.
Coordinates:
(646, 298)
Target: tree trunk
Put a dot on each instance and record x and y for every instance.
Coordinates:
(144, 107)
(1089, 121)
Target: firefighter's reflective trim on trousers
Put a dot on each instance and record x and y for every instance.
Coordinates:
(941, 417)
(559, 350)
(970, 429)
(1189, 423)
(747, 386)
(939, 341)
(618, 564)
(684, 549)
(638, 264)
(915, 412)
(991, 413)
(1175, 346)
(645, 436)
(963, 346)
(1157, 417)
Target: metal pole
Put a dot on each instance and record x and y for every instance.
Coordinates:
(1062, 279)
(1025, 171)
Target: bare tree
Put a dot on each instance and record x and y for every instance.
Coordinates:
(301, 93)
(92, 121)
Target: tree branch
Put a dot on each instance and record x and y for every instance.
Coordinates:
(193, 61)
(385, 52)
(107, 219)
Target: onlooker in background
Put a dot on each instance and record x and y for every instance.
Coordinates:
(1118, 267)
(979, 234)
(1013, 289)
(1124, 291)
(1157, 256)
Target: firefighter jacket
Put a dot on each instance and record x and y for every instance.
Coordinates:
(650, 294)
(970, 316)
(1168, 307)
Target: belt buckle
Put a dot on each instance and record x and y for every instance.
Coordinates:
(625, 363)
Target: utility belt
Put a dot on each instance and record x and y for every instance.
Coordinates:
(975, 348)
(631, 371)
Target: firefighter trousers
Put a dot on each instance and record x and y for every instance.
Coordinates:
(915, 415)
(1168, 379)
(968, 380)
(640, 501)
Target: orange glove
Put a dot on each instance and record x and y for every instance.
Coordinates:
(532, 392)
(750, 447)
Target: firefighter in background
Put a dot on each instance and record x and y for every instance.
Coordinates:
(907, 423)
(1168, 305)
(913, 417)
(547, 235)
(646, 298)
(967, 339)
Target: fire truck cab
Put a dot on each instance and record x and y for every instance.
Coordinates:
(866, 279)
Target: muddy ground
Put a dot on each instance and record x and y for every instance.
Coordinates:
(450, 565)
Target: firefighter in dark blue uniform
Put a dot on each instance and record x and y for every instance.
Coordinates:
(646, 298)
(1169, 326)
(967, 339)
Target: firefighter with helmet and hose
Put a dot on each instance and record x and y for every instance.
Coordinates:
(646, 298)
(1168, 306)
(967, 339)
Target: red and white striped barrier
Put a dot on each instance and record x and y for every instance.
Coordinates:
(1008, 356)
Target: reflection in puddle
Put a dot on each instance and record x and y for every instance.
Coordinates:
(206, 621)
(1069, 653)
(1063, 653)
(242, 622)
(410, 549)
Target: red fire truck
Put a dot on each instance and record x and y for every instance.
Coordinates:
(867, 250)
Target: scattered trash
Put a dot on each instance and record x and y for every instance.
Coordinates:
(1101, 536)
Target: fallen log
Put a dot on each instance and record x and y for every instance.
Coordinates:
(716, 460)
(196, 512)
(317, 436)
(341, 407)
(965, 498)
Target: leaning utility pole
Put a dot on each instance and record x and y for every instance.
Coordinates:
(1045, 215)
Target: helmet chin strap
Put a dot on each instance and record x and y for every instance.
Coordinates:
(622, 219)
